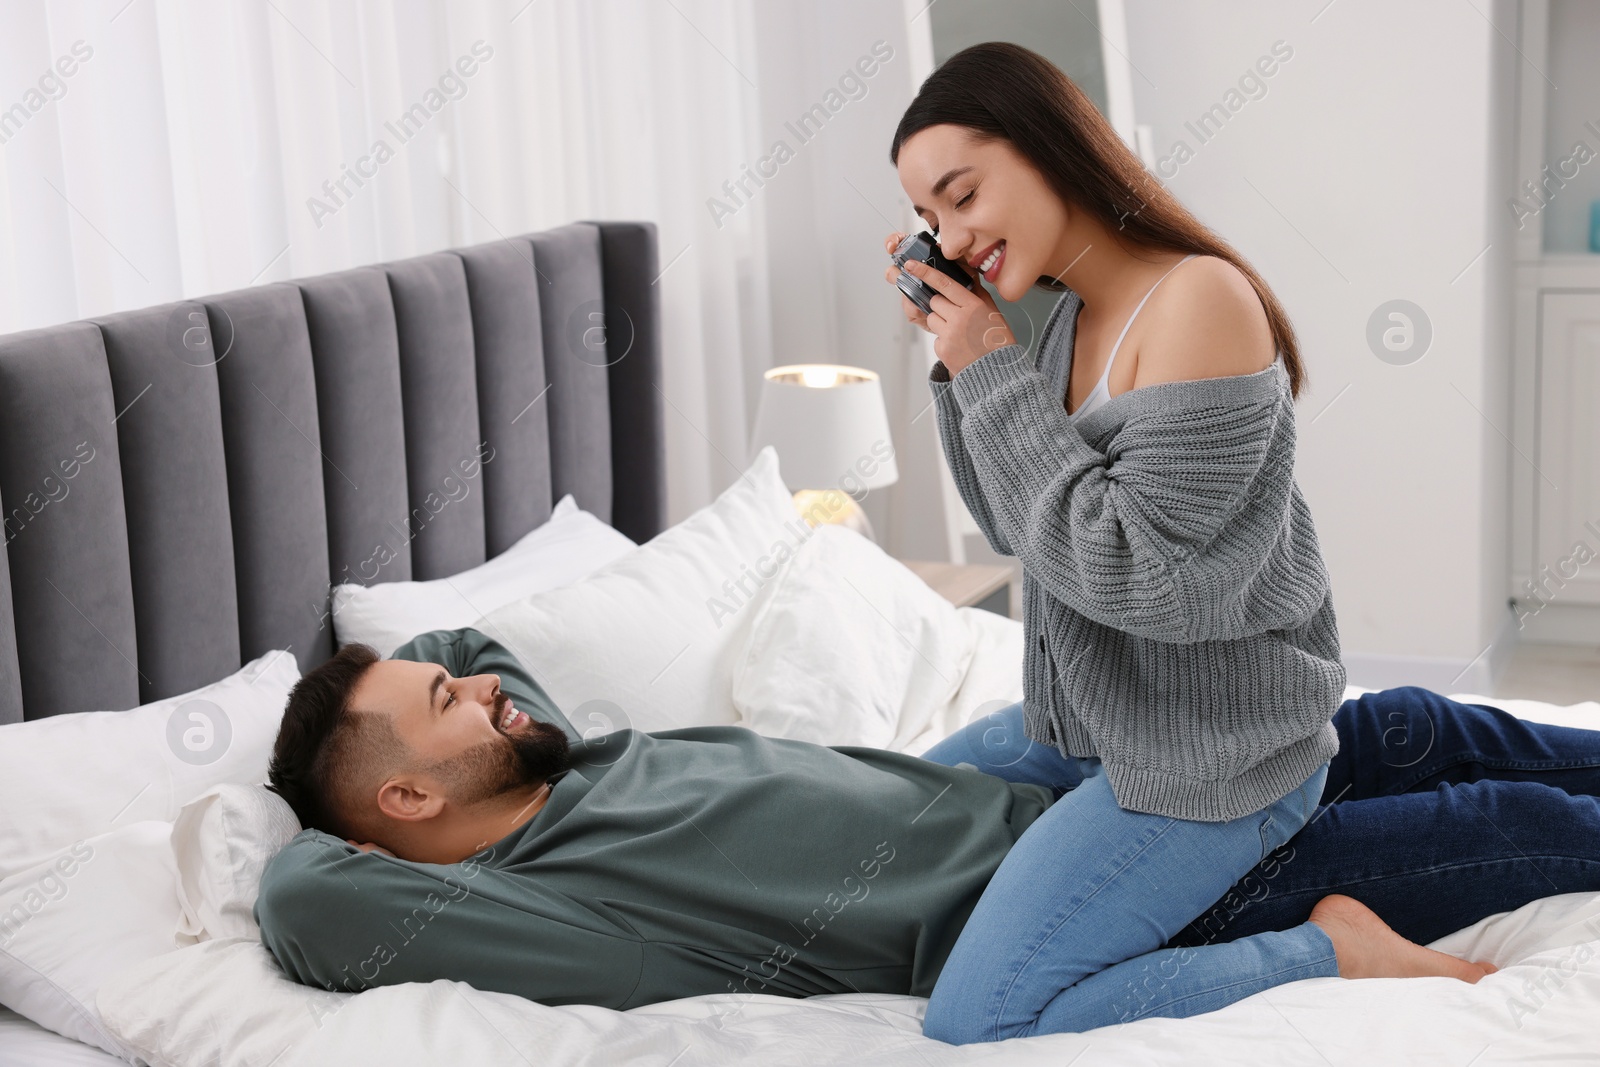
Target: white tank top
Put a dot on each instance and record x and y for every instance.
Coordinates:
(1099, 394)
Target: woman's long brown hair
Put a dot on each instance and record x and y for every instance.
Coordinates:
(1003, 91)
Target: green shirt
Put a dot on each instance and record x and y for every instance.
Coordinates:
(669, 864)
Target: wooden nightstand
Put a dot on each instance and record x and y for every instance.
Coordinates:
(977, 585)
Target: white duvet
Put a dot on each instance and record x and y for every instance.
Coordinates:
(225, 1002)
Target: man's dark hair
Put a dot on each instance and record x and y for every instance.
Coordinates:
(329, 757)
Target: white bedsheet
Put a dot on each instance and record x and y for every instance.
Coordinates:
(27, 1044)
(1314, 1022)
(1543, 1005)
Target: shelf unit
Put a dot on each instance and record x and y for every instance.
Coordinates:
(1555, 482)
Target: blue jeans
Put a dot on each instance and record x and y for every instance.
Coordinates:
(1059, 940)
(1433, 813)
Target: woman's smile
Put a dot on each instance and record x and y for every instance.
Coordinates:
(989, 263)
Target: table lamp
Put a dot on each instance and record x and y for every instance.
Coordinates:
(830, 429)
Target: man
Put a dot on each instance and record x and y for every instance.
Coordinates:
(460, 828)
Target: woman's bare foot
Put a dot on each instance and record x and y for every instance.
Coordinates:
(1365, 946)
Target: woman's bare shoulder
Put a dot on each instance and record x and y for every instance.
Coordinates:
(1210, 324)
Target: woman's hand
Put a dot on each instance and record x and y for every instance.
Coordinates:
(967, 324)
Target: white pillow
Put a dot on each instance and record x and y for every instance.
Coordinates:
(993, 679)
(852, 648)
(650, 639)
(97, 907)
(69, 777)
(570, 545)
(223, 1001)
(221, 842)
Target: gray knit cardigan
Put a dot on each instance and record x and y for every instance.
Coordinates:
(1177, 612)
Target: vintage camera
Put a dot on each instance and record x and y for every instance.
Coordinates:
(925, 247)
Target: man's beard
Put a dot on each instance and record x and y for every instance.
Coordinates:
(532, 754)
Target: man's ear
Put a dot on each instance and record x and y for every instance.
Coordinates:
(406, 800)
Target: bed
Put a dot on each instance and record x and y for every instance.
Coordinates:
(256, 451)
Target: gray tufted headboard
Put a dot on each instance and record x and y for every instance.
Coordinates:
(182, 485)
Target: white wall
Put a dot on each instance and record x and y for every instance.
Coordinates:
(1374, 166)
(824, 218)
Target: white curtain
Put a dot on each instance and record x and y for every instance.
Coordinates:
(152, 150)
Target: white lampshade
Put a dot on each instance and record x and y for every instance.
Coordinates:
(828, 425)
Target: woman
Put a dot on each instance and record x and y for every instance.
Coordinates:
(1182, 658)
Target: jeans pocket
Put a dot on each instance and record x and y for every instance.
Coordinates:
(1289, 814)
(1279, 823)
(1268, 835)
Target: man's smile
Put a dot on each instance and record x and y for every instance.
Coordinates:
(510, 717)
